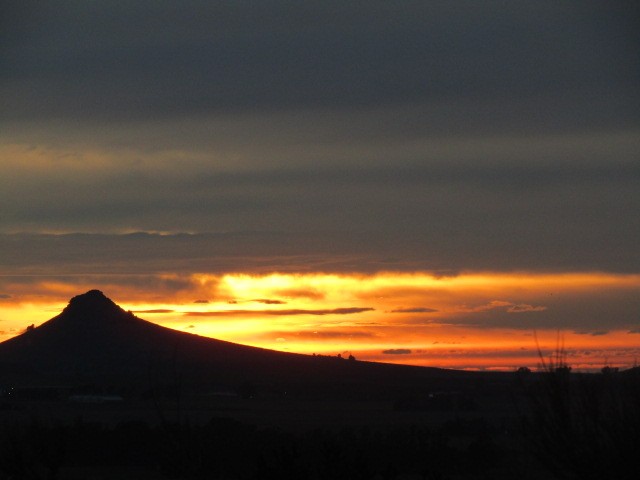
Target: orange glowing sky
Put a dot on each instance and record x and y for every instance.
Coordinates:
(428, 184)
(476, 320)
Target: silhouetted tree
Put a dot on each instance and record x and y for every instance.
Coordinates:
(585, 426)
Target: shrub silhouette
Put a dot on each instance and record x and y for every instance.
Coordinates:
(585, 426)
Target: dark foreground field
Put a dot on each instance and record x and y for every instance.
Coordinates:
(97, 393)
(523, 425)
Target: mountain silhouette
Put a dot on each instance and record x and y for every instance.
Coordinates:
(94, 340)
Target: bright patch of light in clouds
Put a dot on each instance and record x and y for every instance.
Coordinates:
(483, 320)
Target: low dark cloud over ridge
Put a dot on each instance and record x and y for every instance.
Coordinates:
(366, 252)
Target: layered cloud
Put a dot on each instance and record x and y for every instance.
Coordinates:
(358, 313)
(324, 334)
(110, 60)
(279, 312)
(431, 167)
(508, 307)
(264, 252)
(332, 136)
(414, 310)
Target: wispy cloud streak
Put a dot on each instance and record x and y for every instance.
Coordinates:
(288, 312)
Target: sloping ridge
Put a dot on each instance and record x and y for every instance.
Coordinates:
(93, 339)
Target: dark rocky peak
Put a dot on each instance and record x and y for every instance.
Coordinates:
(93, 306)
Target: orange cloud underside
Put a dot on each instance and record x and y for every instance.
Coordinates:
(467, 321)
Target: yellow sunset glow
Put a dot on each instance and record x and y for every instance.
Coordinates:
(483, 319)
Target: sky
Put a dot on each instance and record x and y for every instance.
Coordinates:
(435, 183)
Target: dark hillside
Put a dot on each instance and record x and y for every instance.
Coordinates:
(93, 340)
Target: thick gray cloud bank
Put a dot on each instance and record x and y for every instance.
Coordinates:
(114, 59)
(333, 135)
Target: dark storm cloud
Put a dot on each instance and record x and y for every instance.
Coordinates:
(121, 60)
(340, 136)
